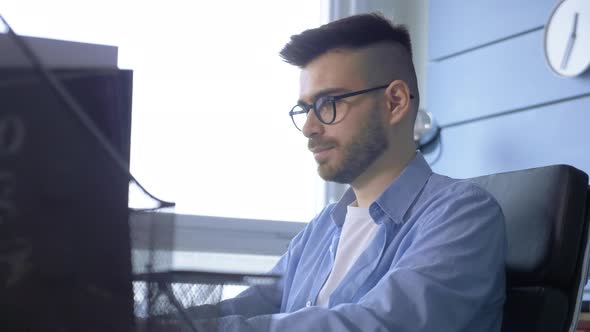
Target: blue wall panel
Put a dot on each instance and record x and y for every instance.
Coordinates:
(501, 77)
(556, 134)
(500, 106)
(457, 25)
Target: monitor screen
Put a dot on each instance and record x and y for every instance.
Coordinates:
(64, 233)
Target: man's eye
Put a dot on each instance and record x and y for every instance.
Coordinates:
(322, 103)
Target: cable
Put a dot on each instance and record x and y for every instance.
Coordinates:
(77, 110)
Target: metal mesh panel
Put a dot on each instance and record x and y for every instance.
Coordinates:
(189, 295)
(168, 300)
(162, 311)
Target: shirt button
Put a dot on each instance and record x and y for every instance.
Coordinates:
(331, 248)
(308, 304)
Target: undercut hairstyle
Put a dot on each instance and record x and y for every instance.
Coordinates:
(351, 32)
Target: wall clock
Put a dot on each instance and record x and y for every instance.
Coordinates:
(567, 38)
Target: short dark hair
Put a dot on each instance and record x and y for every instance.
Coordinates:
(351, 32)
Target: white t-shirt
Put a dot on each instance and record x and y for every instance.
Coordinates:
(357, 232)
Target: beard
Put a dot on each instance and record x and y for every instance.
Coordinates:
(364, 148)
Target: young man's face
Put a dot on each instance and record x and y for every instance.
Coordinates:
(346, 148)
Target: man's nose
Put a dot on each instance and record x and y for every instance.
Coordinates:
(312, 126)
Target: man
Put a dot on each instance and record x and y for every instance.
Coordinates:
(404, 249)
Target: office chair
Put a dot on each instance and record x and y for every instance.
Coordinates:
(547, 217)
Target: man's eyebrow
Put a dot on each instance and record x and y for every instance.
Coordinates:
(324, 92)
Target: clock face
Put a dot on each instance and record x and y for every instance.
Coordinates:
(567, 38)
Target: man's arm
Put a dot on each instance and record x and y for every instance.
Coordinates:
(255, 300)
(451, 278)
(259, 300)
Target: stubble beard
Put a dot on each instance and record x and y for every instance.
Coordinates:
(365, 147)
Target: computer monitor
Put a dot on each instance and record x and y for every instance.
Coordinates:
(64, 233)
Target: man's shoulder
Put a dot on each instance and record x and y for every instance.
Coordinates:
(445, 192)
(446, 187)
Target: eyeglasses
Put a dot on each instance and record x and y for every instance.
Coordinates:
(324, 107)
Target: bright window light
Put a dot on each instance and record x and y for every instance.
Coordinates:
(211, 97)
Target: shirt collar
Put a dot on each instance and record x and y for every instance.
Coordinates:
(396, 199)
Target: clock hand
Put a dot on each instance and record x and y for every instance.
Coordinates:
(570, 42)
(568, 52)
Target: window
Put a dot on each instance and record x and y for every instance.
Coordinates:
(210, 125)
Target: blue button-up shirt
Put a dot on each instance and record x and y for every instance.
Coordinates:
(436, 263)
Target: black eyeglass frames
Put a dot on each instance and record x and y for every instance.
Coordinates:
(324, 107)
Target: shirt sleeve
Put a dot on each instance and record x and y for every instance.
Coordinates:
(258, 300)
(450, 278)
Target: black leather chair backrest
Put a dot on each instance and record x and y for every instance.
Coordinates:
(546, 212)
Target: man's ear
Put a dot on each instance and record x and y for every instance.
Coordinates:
(397, 99)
